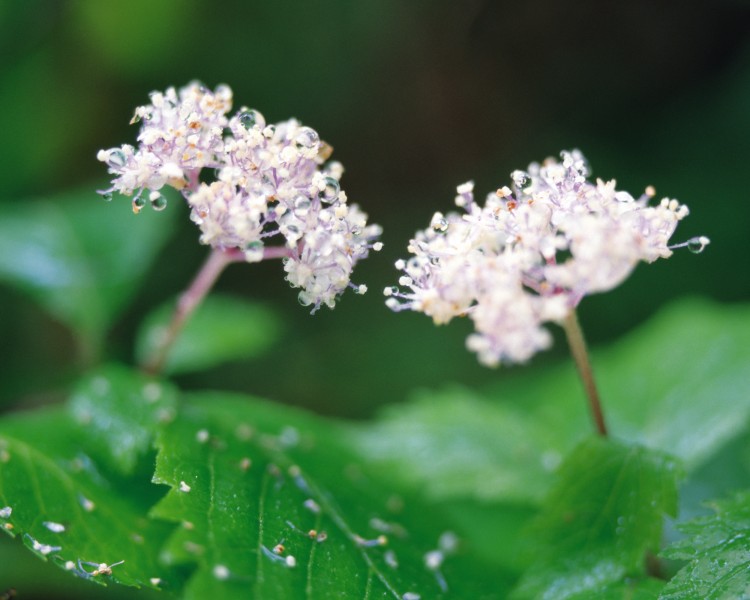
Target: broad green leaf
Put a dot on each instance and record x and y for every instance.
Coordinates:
(273, 505)
(221, 329)
(492, 531)
(635, 589)
(717, 548)
(600, 519)
(677, 384)
(119, 411)
(79, 257)
(67, 509)
(455, 443)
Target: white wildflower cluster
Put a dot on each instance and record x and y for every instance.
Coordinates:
(268, 181)
(530, 254)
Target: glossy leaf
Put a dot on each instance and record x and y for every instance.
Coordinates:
(221, 329)
(600, 519)
(677, 384)
(717, 548)
(119, 411)
(79, 257)
(636, 589)
(67, 509)
(273, 505)
(455, 443)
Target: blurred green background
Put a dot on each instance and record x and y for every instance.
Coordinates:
(416, 97)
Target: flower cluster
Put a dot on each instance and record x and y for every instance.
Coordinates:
(270, 181)
(531, 253)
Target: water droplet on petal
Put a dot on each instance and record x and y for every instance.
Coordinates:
(306, 138)
(521, 179)
(439, 223)
(158, 202)
(251, 118)
(697, 245)
(107, 196)
(138, 203)
(302, 204)
(117, 159)
(331, 190)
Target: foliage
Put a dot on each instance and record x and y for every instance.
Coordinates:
(490, 493)
(717, 549)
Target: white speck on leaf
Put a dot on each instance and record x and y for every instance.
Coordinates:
(87, 504)
(54, 527)
(184, 487)
(221, 572)
(5, 512)
(390, 559)
(100, 385)
(152, 392)
(43, 548)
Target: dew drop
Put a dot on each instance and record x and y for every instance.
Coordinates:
(331, 190)
(117, 159)
(251, 118)
(254, 251)
(306, 138)
(221, 572)
(697, 245)
(54, 527)
(158, 202)
(138, 204)
(106, 196)
(521, 179)
(302, 204)
(440, 225)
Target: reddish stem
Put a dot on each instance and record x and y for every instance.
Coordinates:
(577, 345)
(187, 303)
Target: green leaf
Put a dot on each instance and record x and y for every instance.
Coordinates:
(221, 329)
(454, 443)
(247, 477)
(119, 411)
(600, 519)
(717, 548)
(79, 257)
(677, 384)
(635, 589)
(67, 509)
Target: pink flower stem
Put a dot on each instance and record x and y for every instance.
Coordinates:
(188, 302)
(577, 345)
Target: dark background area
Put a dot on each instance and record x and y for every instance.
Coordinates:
(416, 97)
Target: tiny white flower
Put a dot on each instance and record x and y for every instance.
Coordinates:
(270, 182)
(530, 254)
